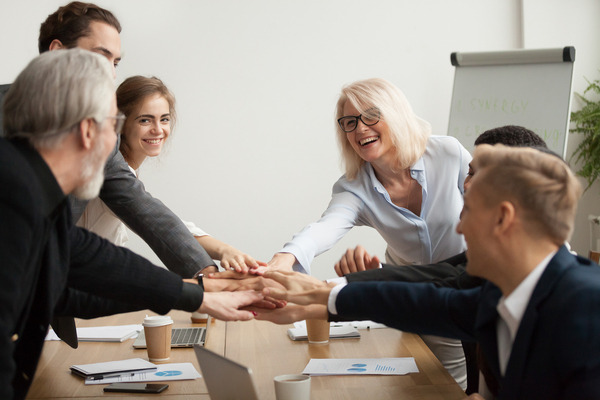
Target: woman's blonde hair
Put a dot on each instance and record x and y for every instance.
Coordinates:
(409, 133)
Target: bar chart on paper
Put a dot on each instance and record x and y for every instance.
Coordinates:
(384, 368)
(364, 366)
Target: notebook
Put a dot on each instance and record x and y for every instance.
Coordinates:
(219, 373)
(98, 371)
(180, 337)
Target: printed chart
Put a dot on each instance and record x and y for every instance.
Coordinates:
(165, 372)
(363, 366)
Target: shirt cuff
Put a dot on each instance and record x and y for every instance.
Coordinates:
(338, 281)
(333, 297)
(191, 298)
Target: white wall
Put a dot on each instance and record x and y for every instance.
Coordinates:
(254, 157)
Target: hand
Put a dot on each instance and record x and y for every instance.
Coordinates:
(270, 303)
(230, 274)
(232, 281)
(256, 283)
(230, 257)
(236, 260)
(299, 288)
(218, 281)
(209, 270)
(279, 262)
(356, 260)
(294, 281)
(290, 313)
(226, 305)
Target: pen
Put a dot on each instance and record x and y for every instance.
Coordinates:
(99, 377)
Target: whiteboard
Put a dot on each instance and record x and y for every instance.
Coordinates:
(530, 88)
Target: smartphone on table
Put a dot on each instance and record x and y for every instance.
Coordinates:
(136, 387)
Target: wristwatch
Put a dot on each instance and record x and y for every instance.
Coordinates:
(199, 276)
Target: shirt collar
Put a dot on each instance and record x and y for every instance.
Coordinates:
(52, 194)
(418, 167)
(512, 308)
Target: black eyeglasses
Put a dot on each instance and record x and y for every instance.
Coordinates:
(369, 118)
(119, 121)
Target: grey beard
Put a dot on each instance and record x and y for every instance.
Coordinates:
(92, 174)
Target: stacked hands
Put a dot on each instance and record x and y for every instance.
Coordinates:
(272, 292)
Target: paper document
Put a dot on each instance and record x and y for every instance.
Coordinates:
(100, 370)
(355, 324)
(118, 333)
(361, 366)
(164, 372)
(364, 324)
(335, 332)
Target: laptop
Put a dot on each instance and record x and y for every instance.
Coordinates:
(180, 337)
(219, 373)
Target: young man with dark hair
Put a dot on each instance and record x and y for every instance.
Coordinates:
(72, 22)
(511, 135)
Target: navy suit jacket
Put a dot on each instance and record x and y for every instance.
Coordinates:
(556, 352)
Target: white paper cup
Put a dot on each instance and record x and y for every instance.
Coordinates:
(292, 387)
(157, 330)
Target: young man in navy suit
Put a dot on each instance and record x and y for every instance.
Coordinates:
(537, 319)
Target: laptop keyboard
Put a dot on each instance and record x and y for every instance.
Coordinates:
(187, 335)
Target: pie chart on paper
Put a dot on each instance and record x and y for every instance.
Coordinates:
(168, 373)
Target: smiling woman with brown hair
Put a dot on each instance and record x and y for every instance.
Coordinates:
(149, 108)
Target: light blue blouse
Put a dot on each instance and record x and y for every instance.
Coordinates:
(432, 237)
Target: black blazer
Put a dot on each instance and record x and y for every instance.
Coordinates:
(43, 257)
(448, 273)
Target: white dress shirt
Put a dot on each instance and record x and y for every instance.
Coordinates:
(411, 239)
(511, 310)
(100, 219)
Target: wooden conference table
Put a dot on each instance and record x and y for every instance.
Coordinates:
(266, 349)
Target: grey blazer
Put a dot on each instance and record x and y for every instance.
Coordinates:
(148, 217)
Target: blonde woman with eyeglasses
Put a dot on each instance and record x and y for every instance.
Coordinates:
(401, 181)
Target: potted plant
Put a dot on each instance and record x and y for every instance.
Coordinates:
(587, 122)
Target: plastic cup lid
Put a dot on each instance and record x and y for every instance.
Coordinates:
(158, 320)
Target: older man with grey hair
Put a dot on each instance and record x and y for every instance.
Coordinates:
(61, 121)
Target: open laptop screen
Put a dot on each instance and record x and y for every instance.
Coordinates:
(219, 372)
